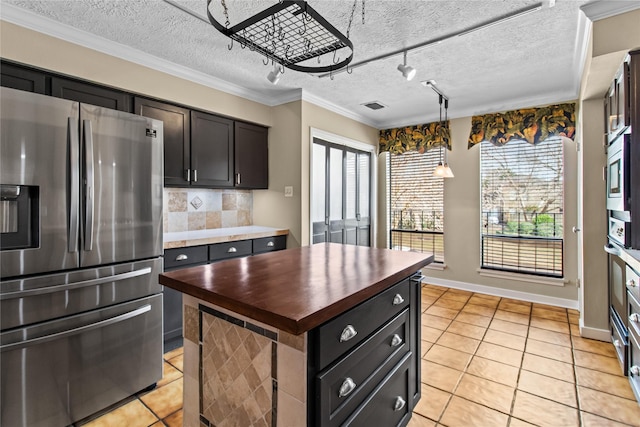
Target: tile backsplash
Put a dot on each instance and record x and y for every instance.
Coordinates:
(188, 209)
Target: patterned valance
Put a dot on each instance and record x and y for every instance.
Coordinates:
(418, 138)
(531, 124)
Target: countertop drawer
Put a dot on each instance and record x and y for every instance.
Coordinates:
(388, 405)
(268, 244)
(229, 250)
(343, 333)
(185, 257)
(343, 386)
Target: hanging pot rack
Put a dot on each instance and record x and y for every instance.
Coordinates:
(290, 33)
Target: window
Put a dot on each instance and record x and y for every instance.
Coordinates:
(416, 203)
(522, 194)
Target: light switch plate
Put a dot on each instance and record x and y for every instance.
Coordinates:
(288, 191)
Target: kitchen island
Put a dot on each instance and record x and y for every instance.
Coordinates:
(320, 335)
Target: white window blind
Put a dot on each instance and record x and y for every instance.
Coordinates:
(416, 203)
(522, 196)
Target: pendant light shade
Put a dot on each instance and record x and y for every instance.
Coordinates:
(442, 170)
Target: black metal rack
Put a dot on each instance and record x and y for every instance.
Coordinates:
(289, 33)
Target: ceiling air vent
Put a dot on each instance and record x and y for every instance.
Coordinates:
(374, 105)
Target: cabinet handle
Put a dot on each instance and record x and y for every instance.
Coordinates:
(631, 283)
(188, 173)
(634, 317)
(347, 333)
(397, 300)
(396, 340)
(195, 175)
(346, 388)
(634, 370)
(270, 244)
(616, 343)
(182, 257)
(399, 404)
(232, 250)
(238, 178)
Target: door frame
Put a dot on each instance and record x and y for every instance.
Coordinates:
(373, 170)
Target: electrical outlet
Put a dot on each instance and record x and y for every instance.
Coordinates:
(288, 191)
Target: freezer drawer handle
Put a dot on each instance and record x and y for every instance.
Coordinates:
(69, 286)
(75, 331)
(182, 257)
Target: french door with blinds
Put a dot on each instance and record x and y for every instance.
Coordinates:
(341, 194)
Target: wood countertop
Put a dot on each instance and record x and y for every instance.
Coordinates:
(296, 290)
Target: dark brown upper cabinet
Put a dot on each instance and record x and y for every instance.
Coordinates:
(251, 156)
(23, 79)
(90, 94)
(177, 151)
(211, 150)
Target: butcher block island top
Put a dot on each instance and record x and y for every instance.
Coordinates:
(296, 290)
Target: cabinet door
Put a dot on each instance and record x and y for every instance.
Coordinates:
(176, 138)
(20, 78)
(211, 150)
(251, 156)
(90, 94)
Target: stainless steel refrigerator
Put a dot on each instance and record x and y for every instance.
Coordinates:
(81, 246)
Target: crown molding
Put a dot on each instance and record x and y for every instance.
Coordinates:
(316, 100)
(601, 9)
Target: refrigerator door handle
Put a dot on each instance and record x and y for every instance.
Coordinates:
(75, 331)
(70, 286)
(74, 184)
(89, 184)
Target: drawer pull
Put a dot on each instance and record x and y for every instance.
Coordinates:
(232, 250)
(616, 343)
(182, 257)
(631, 283)
(270, 244)
(347, 387)
(347, 333)
(396, 340)
(634, 370)
(397, 300)
(400, 402)
(634, 317)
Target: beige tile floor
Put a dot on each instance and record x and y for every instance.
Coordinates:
(486, 362)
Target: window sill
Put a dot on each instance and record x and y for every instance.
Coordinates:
(436, 266)
(521, 277)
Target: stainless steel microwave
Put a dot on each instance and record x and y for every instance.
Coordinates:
(618, 176)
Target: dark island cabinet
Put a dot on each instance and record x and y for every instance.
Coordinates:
(211, 150)
(251, 156)
(90, 94)
(23, 79)
(177, 149)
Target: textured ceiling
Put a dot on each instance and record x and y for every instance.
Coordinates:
(529, 60)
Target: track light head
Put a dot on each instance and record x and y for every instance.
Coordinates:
(408, 72)
(275, 74)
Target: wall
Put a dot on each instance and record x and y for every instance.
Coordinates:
(611, 39)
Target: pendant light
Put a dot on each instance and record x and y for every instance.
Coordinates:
(443, 170)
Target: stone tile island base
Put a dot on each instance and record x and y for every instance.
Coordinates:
(248, 373)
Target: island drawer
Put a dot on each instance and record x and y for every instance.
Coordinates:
(226, 250)
(633, 311)
(388, 404)
(343, 386)
(185, 257)
(634, 362)
(633, 283)
(268, 244)
(343, 333)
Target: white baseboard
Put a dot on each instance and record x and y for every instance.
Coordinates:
(595, 334)
(506, 293)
